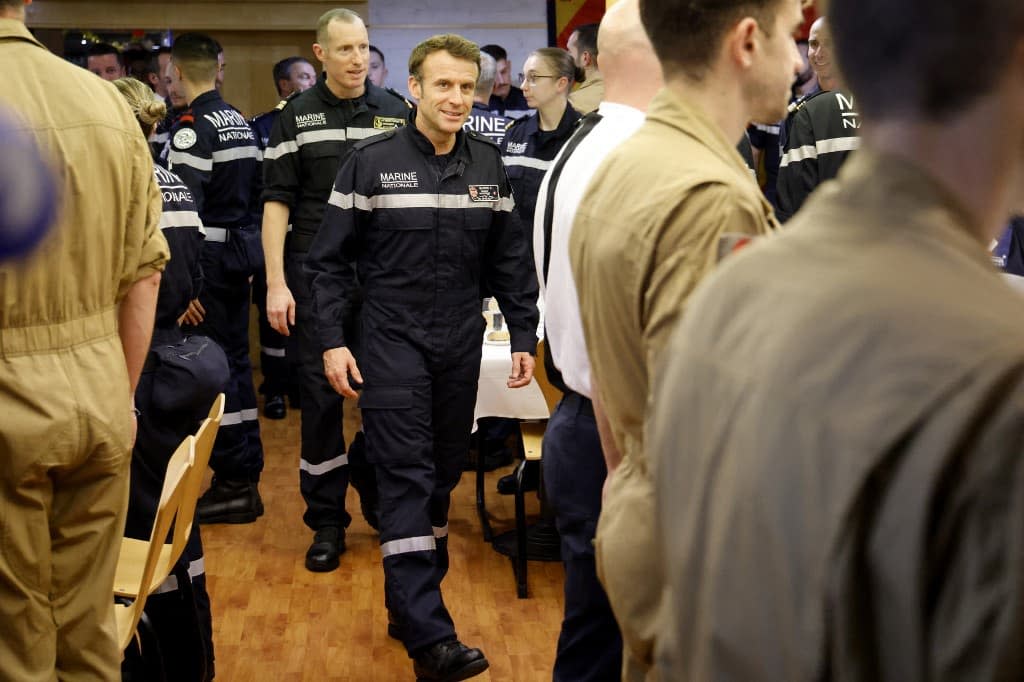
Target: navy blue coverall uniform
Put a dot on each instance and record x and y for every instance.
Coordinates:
(820, 132)
(312, 134)
(488, 123)
(273, 345)
(174, 610)
(214, 151)
(421, 234)
(528, 152)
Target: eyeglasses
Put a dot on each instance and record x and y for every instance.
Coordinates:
(531, 79)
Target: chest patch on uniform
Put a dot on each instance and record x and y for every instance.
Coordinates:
(484, 193)
(387, 122)
(399, 180)
(184, 138)
(516, 148)
(311, 120)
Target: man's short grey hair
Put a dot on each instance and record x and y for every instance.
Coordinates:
(488, 70)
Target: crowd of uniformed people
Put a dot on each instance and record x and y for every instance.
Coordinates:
(367, 226)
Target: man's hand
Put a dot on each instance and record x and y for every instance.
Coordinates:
(195, 314)
(522, 370)
(338, 364)
(280, 308)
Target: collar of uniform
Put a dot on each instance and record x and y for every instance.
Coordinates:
(206, 97)
(427, 147)
(906, 192)
(481, 107)
(592, 80)
(326, 95)
(17, 30)
(561, 131)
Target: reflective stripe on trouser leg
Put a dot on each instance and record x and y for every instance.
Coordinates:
(323, 470)
(238, 451)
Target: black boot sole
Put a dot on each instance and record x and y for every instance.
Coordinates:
(464, 673)
(234, 517)
(323, 567)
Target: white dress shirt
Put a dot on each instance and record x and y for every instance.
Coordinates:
(562, 310)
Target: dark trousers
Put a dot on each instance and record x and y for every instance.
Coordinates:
(181, 618)
(274, 362)
(589, 645)
(417, 407)
(323, 464)
(238, 450)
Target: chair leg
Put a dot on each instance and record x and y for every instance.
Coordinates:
(481, 505)
(519, 563)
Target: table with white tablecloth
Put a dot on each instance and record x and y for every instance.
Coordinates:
(495, 399)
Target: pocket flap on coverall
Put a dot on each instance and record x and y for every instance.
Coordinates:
(386, 398)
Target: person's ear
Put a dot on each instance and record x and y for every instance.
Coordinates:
(414, 88)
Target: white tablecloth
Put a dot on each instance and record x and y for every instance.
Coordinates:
(495, 399)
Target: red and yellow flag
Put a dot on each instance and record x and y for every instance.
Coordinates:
(565, 15)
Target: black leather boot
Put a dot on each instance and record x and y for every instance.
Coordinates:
(275, 407)
(328, 545)
(448, 661)
(230, 502)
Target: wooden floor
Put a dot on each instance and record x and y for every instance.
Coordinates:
(273, 620)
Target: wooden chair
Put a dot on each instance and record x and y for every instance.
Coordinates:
(133, 552)
(154, 570)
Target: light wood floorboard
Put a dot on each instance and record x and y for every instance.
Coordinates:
(273, 620)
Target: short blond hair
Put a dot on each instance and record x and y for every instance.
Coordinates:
(345, 16)
(147, 108)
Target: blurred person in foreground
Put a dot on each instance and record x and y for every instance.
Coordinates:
(837, 424)
(75, 321)
(643, 239)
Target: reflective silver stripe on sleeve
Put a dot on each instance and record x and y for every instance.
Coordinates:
(216, 234)
(250, 415)
(440, 531)
(331, 135)
(798, 154)
(176, 158)
(277, 151)
(197, 568)
(170, 584)
(274, 352)
(180, 219)
(837, 144)
(236, 154)
(423, 543)
(363, 133)
(526, 162)
(322, 468)
(236, 418)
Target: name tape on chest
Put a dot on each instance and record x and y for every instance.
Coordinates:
(484, 193)
(184, 138)
(387, 122)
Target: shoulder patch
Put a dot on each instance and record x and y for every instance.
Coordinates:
(473, 135)
(185, 138)
(187, 117)
(374, 139)
(280, 105)
(399, 96)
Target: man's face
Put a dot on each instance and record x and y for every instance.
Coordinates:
(502, 78)
(779, 64)
(172, 82)
(219, 80)
(819, 49)
(445, 94)
(345, 56)
(378, 73)
(106, 66)
(301, 76)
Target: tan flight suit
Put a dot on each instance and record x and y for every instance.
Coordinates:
(837, 436)
(588, 95)
(647, 232)
(65, 424)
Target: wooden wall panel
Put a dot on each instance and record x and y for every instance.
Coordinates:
(192, 15)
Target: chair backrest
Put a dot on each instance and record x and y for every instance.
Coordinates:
(540, 374)
(205, 437)
(170, 503)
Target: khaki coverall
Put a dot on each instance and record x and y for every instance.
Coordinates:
(65, 425)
